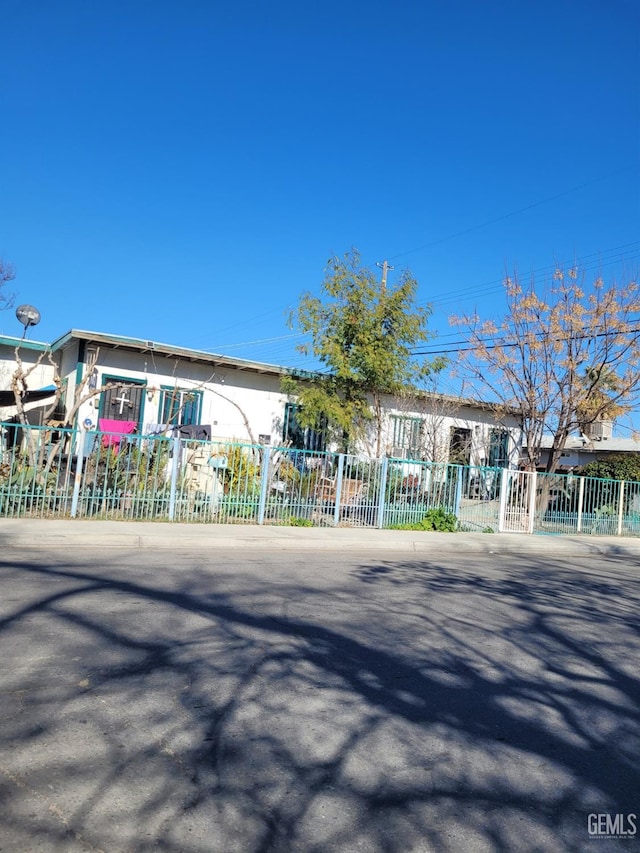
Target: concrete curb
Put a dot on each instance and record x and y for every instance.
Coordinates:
(40, 533)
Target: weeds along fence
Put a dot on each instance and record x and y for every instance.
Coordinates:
(48, 472)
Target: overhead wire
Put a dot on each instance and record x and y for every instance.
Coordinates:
(263, 340)
(511, 213)
(485, 289)
(452, 346)
(603, 258)
(497, 284)
(490, 343)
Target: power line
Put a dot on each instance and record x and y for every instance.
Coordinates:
(496, 284)
(484, 292)
(601, 258)
(263, 340)
(516, 212)
(504, 344)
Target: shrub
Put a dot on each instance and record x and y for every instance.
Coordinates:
(436, 518)
(617, 466)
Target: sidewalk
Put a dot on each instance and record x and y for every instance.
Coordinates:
(34, 533)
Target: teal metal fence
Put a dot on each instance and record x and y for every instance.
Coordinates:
(50, 472)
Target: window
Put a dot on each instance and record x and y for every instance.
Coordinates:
(459, 446)
(498, 449)
(180, 406)
(298, 437)
(407, 434)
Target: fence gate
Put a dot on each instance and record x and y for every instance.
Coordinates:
(517, 501)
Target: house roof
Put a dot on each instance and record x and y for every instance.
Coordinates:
(602, 445)
(469, 402)
(171, 351)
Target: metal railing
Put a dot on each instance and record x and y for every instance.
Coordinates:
(52, 472)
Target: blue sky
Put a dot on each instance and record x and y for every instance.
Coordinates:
(182, 171)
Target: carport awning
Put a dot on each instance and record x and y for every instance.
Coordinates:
(7, 398)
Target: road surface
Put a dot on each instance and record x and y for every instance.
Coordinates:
(225, 701)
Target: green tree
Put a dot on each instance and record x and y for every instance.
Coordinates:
(617, 466)
(363, 334)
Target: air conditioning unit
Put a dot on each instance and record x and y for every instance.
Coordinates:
(410, 453)
(600, 430)
(399, 453)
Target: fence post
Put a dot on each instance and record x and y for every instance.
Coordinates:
(533, 488)
(174, 478)
(264, 482)
(428, 477)
(580, 504)
(458, 497)
(621, 508)
(339, 476)
(383, 491)
(502, 511)
(78, 475)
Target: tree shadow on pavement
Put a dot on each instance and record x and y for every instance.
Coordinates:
(407, 705)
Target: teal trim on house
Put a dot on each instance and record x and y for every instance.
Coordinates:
(38, 346)
(79, 363)
(123, 380)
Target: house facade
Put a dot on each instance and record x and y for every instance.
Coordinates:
(123, 384)
(152, 386)
(446, 429)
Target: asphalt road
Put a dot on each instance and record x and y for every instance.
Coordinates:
(268, 701)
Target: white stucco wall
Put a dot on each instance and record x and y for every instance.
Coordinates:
(42, 375)
(437, 423)
(258, 395)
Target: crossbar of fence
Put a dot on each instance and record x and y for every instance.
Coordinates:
(60, 472)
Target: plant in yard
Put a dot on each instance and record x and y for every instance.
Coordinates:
(437, 518)
(242, 474)
(617, 466)
(296, 521)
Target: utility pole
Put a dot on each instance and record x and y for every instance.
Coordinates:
(384, 266)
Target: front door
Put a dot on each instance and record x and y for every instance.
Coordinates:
(122, 402)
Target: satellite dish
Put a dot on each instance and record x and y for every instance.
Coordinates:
(28, 316)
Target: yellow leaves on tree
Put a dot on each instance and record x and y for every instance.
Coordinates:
(558, 359)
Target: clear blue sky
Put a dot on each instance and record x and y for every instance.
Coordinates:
(181, 171)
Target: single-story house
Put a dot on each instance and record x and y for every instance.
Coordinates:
(111, 382)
